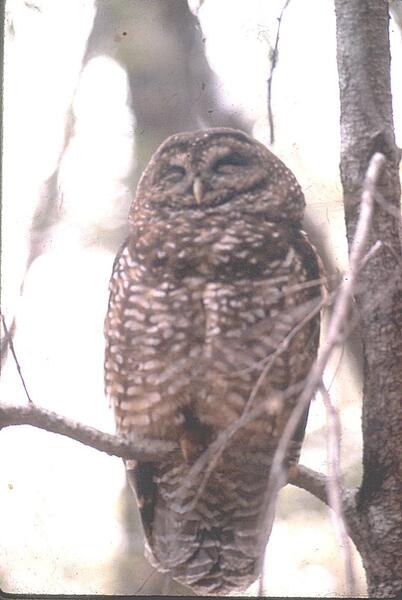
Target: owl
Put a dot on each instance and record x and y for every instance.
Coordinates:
(209, 317)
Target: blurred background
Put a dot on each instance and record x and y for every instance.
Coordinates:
(90, 90)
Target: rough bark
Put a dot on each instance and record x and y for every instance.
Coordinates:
(363, 57)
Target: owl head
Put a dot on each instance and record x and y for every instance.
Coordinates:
(218, 169)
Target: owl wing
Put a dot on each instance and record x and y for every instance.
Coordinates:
(151, 336)
(140, 476)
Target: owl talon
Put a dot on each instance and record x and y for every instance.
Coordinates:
(189, 446)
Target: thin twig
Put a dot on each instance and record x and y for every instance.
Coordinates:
(341, 309)
(337, 323)
(283, 346)
(286, 292)
(394, 284)
(5, 343)
(209, 459)
(317, 485)
(149, 451)
(373, 250)
(274, 60)
(278, 476)
(146, 580)
(9, 340)
(334, 487)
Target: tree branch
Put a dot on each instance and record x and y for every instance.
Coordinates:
(337, 325)
(274, 60)
(338, 320)
(335, 488)
(8, 341)
(311, 481)
(113, 445)
(156, 450)
(317, 484)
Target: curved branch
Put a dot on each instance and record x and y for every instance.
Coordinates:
(337, 323)
(317, 484)
(113, 445)
(311, 481)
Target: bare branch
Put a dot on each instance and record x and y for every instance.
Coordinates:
(277, 477)
(334, 486)
(9, 341)
(317, 485)
(155, 451)
(5, 343)
(372, 252)
(311, 481)
(111, 444)
(340, 313)
(282, 347)
(274, 60)
(376, 165)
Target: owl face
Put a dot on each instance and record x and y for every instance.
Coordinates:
(219, 167)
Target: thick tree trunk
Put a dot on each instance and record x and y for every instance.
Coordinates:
(363, 56)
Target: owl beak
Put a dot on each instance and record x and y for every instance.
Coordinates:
(198, 190)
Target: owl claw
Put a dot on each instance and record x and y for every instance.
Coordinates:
(189, 446)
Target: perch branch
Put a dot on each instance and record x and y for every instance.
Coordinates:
(111, 444)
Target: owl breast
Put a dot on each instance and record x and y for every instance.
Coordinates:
(200, 303)
(192, 305)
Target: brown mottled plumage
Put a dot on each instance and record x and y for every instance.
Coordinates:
(207, 286)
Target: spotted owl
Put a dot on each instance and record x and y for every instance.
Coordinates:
(214, 284)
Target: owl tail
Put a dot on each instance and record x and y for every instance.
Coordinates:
(213, 546)
(209, 538)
